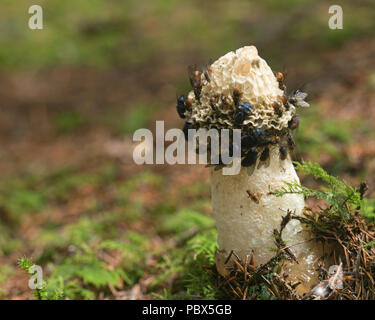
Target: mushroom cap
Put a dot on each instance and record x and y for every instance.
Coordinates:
(247, 73)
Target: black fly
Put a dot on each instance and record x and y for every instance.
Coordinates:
(206, 73)
(237, 93)
(257, 137)
(250, 158)
(283, 152)
(188, 125)
(207, 70)
(291, 142)
(293, 123)
(265, 154)
(181, 108)
(243, 111)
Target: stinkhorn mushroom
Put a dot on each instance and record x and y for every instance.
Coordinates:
(240, 91)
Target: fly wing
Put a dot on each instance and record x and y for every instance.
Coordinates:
(207, 71)
(301, 95)
(303, 104)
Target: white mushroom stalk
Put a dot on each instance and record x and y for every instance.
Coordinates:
(240, 91)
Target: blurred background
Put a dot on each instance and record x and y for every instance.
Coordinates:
(72, 94)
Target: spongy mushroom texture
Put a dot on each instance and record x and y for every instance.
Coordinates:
(246, 226)
(243, 70)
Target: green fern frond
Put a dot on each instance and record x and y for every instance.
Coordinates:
(339, 195)
(25, 263)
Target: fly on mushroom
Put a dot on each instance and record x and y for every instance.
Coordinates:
(257, 137)
(225, 102)
(181, 108)
(265, 154)
(297, 98)
(188, 125)
(224, 97)
(280, 79)
(283, 150)
(207, 71)
(293, 123)
(237, 96)
(247, 141)
(277, 108)
(264, 159)
(213, 103)
(195, 81)
(252, 196)
(250, 158)
(243, 111)
(291, 142)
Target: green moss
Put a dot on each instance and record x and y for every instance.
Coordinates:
(138, 117)
(186, 219)
(19, 196)
(69, 121)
